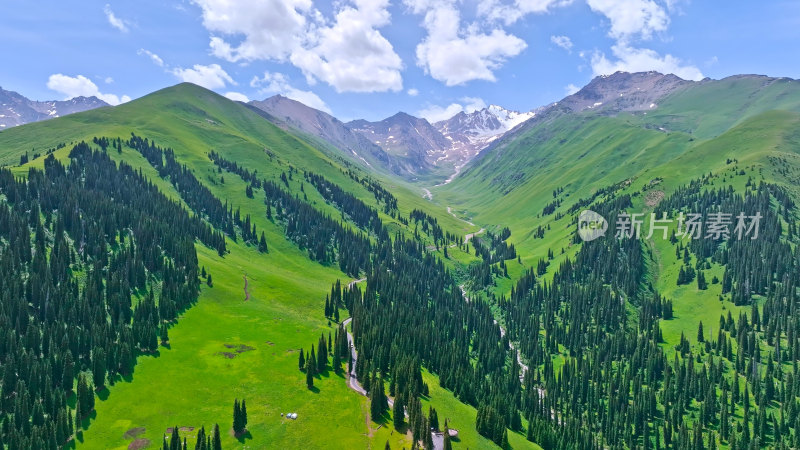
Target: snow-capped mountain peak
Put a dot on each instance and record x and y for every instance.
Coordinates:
(485, 123)
(509, 119)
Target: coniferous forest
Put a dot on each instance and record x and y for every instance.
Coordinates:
(98, 264)
(242, 264)
(95, 261)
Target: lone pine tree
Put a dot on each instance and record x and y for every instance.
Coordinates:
(239, 416)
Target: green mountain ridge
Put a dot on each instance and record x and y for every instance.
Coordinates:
(286, 289)
(561, 316)
(689, 133)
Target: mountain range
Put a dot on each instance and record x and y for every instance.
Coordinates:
(16, 109)
(403, 144)
(412, 147)
(468, 302)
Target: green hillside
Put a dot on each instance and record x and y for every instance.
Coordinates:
(192, 383)
(690, 133)
(733, 134)
(479, 307)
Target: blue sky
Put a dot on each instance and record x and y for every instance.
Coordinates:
(372, 58)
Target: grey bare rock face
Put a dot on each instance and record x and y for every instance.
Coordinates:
(287, 112)
(16, 109)
(448, 144)
(404, 136)
(401, 144)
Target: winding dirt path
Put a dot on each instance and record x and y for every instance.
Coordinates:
(352, 382)
(246, 292)
(450, 211)
(522, 365)
(470, 235)
(351, 379)
(427, 194)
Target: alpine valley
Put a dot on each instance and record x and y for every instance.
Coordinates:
(399, 283)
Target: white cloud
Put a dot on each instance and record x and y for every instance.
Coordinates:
(81, 86)
(115, 21)
(351, 55)
(413, 92)
(631, 59)
(571, 89)
(455, 55)
(562, 41)
(436, 113)
(508, 13)
(276, 83)
(346, 51)
(237, 97)
(109, 80)
(153, 57)
(210, 77)
(271, 29)
(632, 18)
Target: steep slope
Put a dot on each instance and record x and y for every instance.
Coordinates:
(442, 148)
(404, 136)
(578, 146)
(285, 288)
(469, 133)
(16, 109)
(624, 91)
(728, 146)
(329, 129)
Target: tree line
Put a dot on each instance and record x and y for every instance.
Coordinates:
(78, 243)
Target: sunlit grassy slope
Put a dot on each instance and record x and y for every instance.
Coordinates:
(736, 129)
(690, 134)
(739, 128)
(193, 383)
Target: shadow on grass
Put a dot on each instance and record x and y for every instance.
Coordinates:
(384, 420)
(103, 393)
(327, 372)
(314, 389)
(242, 437)
(85, 424)
(402, 429)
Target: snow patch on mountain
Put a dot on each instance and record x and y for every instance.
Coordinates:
(469, 133)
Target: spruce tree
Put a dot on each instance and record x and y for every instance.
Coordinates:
(164, 334)
(99, 367)
(237, 417)
(302, 361)
(398, 412)
(378, 402)
(309, 373)
(244, 415)
(175, 440)
(216, 440)
(201, 439)
(311, 362)
(433, 418)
